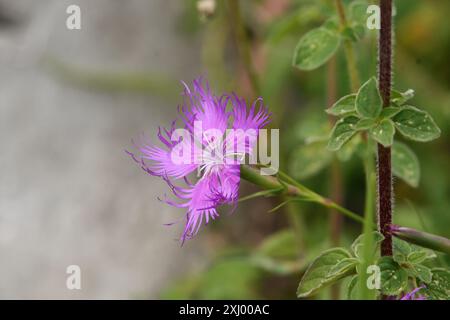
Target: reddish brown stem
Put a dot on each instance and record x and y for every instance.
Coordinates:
(385, 191)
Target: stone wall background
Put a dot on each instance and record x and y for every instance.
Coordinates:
(68, 193)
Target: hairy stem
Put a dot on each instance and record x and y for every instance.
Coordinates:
(385, 191)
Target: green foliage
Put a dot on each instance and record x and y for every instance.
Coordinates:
(416, 124)
(331, 266)
(343, 130)
(315, 48)
(394, 279)
(368, 101)
(343, 106)
(405, 164)
(439, 286)
(381, 124)
(383, 132)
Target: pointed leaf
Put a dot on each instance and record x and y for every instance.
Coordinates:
(416, 124)
(368, 100)
(315, 48)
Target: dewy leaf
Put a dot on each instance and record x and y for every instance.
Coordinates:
(394, 279)
(343, 130)
(368, 100)
(358, 243)
(383, 132)
(405, 164)
(439, 287)
(400, 98)
(416, 124)
(310, 159)
(315, 48)
(343, 106)
(316, 276)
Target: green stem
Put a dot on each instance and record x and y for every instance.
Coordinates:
(293, 188)
(348, 49)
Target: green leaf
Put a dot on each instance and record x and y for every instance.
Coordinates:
(364, 124)
(310, 159)
(417, 256)
(343, 106)
(315, 48)
(421, 272)
(394, 279)
(383, 132)
(316, 276)
(342, 132)
(358, 243)
(416, 124)
(342, 267)
(389, 112)
(405, 164)
(439, 287)
(400, 98)
(368, 100)
(401, 250)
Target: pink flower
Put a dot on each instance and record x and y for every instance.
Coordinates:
(213, 153)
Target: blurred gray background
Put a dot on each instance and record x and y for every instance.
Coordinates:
(68, 193)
